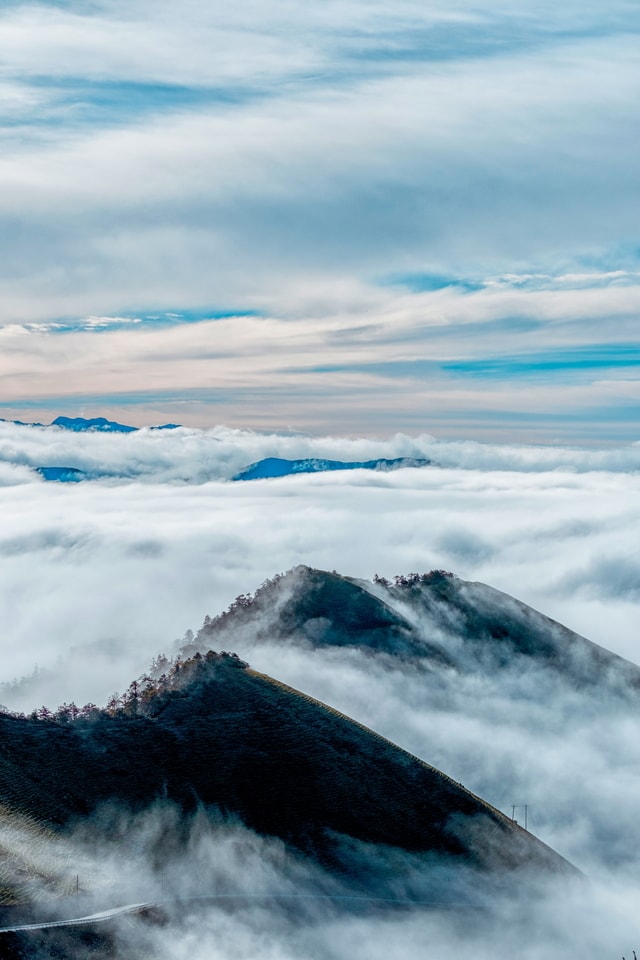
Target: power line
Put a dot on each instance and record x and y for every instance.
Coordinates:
(517, 806)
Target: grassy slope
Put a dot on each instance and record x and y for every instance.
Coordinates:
(288, 766)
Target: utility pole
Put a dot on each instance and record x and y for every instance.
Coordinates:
(514, 807)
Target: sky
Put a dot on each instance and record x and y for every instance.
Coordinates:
(346, 230)
(352, 218)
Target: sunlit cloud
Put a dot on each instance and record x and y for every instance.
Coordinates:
(448, 184)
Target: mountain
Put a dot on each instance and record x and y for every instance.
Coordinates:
(218, 735)
(63, 474)
(435, 619)
(277, 467)
(100, 424)
(92, 425)
(323, 609)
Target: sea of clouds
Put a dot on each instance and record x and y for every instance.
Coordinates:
(111, 572)
(98, 577)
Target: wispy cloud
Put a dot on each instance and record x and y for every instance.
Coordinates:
(536, 359)
(421, 168)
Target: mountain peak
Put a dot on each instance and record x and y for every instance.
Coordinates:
(99, 424)
(217, 734)
(271, 467)
(321, 608)
(435, 619)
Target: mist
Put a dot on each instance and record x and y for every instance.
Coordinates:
(312, 220)
(221, 891)
(97, 578)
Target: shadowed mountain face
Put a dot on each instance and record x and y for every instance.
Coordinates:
(221, 736)
(272, 467)
(323, 609)
(435, 618)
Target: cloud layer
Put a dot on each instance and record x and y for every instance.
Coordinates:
(124, 566)
(96, 578)
(444, 185)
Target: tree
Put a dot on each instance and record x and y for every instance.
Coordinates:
(113, 703)
(88, 711)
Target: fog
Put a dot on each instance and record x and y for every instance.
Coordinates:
(186, 455)
(98, 577)
(223, 892)
(534, 933)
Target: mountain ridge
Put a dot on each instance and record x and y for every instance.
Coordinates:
(220, 735)
(272, 467)
(90, 425)
(434, 618)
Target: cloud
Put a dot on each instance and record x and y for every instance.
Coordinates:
(132, 563)
(451, 362)
(97, 578)
(291, 162)
(252, 896)
(391, 201)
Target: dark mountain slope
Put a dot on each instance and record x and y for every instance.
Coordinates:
(435, 618)
(496, 628)
(323, 609)
(221, 735)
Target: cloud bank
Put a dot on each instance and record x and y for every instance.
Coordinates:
(346, 219)
(124, 566)
(98, 577)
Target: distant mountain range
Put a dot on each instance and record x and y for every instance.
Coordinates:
(93, 424)
(278, 467)
(63, 474)
(269, 467)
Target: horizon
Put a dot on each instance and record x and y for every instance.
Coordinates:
(340, 221)
(378, 267)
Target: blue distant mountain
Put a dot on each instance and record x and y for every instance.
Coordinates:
(278, 467)
(63, 474)
(101, 424)
(94, 424)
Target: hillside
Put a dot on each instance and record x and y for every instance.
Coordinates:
(219, 735)
(435, 619)
(322, 609)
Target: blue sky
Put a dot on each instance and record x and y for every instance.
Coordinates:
(355, 218)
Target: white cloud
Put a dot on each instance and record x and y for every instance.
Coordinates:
(131, 565)
(324, 363)
(467, 165)
(288, 160)
(96, 578)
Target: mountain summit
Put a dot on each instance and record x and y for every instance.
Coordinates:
(435, 618)
(218, 736)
